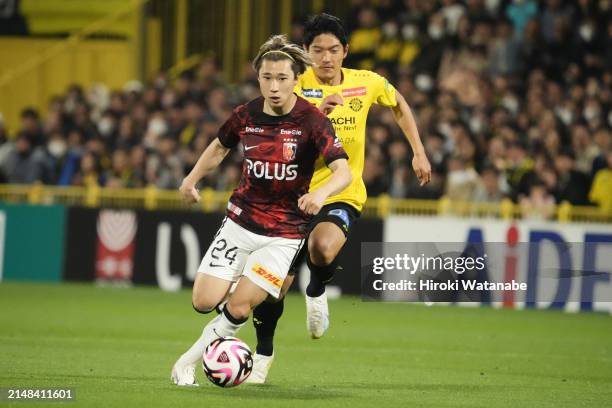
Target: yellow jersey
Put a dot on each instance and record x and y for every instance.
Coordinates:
(601, 190)
(359, 89)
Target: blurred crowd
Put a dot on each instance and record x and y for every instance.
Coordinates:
(513, 98)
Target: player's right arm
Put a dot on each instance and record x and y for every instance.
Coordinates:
(214, 154)
(335, 158)
(208, 161)
(330, 103)
(327, 105)
(311, 203)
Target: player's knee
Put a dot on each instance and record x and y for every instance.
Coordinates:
(239, 310)
(202, 304)
(322, 251)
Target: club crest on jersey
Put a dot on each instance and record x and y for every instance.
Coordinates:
(289, 151)
(359, 91)
(356, 104)
(312, 93)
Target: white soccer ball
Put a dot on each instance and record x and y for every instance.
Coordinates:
(227, 362)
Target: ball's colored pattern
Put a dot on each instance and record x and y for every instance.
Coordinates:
(227, 361)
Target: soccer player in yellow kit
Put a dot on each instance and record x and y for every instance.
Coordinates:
(346, 96)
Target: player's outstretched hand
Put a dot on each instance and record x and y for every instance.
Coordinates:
(422, 168)
(189, 193)
(330, 102)
(311, 203)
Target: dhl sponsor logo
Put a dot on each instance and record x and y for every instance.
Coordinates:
(267, 275)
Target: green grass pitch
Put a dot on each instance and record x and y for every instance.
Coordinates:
(116, 347)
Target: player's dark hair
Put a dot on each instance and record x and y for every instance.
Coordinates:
(324, 24)
(277, 48)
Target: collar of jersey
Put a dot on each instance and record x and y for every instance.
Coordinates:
(344, 75)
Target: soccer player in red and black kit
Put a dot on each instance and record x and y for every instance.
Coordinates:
(268, 213)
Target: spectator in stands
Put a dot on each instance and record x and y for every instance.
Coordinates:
(164, 168)
(603, 141)
(520, 92)
(438, 156)
(504, 51)
(194, 114)
(31, 126)
(11, 20)
(97, 146)
(207, 76)
(138, 162)
(90, 173)
(433, 44)
(496, 154)
(364, 40)
(387, 52)
(601, 191)
(452, 10)
(518, 165)
(583, 148)
(572, 185)
(462, 180)
(158, 127)
(71, 160)
(229, 179)
(107, 127)
(374, 174)
(539, 204)
(400, 182)
(520, 12)
(127, 135)
(399, 154)
(608, 46)
(218, 109)
(488, 189)
(554, 14)
(410, 39)
(56, 149)
(6, 146)
(120, 174)
(27, 163)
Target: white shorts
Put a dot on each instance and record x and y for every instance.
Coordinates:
(236, 251)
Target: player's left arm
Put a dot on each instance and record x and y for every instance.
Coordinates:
(405, 120)
(341, 178)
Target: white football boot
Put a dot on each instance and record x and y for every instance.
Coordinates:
(317, 315)
(261, 366)
(184, 375)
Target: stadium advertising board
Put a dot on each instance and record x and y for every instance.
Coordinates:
(521, 265)
(31, 242)
(170, 246)
(165, 248)
(81, 244)
(128, 247)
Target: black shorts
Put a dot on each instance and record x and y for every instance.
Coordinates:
(341, 214)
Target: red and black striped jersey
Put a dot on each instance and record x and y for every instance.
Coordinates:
(279, 158)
